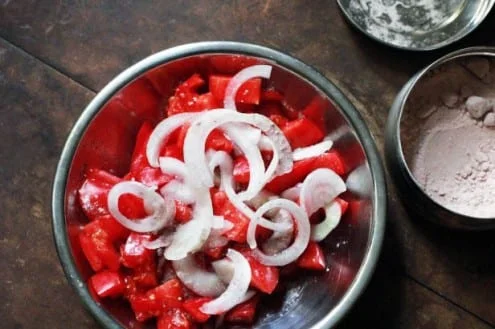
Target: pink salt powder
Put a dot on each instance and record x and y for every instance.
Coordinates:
(448, 136)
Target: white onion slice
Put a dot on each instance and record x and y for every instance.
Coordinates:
(161, 133)
(301, 240)
(162, 241)
(320, 231)
(279, 240)
(179, 191)
(237, 288)
(320, 188)
(162, 211)
(173, 166)
(224, 269)
(188, 238)
(312, 151)
(292, 193)
(200, 281)
(194, 146)
(255, 71)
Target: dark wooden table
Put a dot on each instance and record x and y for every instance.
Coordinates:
(54, 56)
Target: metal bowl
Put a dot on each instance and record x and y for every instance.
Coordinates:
(416, 25)
(417, 199)
(103, 137)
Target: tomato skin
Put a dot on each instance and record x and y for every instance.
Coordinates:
(223, 207)
(174, 319)
(183, 213)
(241, 170)
(302, 132)
(93, 193)
(107, 284)
(243, 313)
(133, 254)
(264, 278)
(231, 64)
(315, 111)
(313, 258)
(217, 141)
(331, 160)
(248, 93)
(193, 305)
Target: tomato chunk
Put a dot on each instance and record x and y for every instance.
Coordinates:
(313, 258)
(302, 132)
(174, 319)
(263, 277)
(241, 170)
(193, 305)
(93, 193)
(315, 111)
(134, 254)
(331, 160)
(243, 313)
(183, 213)
(248, 93)
(107, 284)
(217, 141)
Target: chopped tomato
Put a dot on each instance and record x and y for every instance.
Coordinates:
(248, 93)
(271, 108)
(97, 246)
(315, 111)
(263, 277)
(313, 258)
(169, 293)
(142, 99)
(94, 192)
(107, 284)
(193, 305)
(132, 206)
(217, 141)
(241, 170)
(301, 169)
(172, 151)
(271, 95)
(183, 213)
(145, 276)
(279, 120)
(216, 253)
(133, 253)
(302, 132)
(174, 319)
(243, 313)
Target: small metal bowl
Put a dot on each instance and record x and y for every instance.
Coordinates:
(103, 137)
(415, 198)
(419, 25)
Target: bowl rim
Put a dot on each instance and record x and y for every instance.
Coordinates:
(288, 62)
(395, 117)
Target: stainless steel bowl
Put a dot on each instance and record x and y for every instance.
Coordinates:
(103, 137)
(414, 196)
(416, 25)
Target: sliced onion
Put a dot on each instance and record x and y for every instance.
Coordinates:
(333, 212)
(301, 240)
(224, 269)
(255, 71)
(320, 188)
(162, 132)
(188, 238)
(179, 191)
(175, 167)
(216, 238)
(200, 281)
(237, 288)
(162, 241)
(162, 211)
(279, 240)
(194, 146)
(292, 193)
(312, 151)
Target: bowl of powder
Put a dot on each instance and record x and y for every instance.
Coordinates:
(440, 140)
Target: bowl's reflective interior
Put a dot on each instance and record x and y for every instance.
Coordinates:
(108, 143)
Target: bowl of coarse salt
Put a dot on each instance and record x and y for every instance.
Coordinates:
(440, 140)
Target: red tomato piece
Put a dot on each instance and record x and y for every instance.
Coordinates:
(174, 319)
(132, 206)
(141, 98)
(248, 93)
(271, 108)
(170, 293)
(263, 277)
(343, 205)
(302, 132)
(243, 313)
(145, 276)
(279, 120)
(192, 307)
(97, 246)
(134, 254)
(313, 258)
(183, 213)
(216, 253)
(231, 64)
(107, 284)
(116, 232)
(241, 170)
(315, 111)
(94, 192)
(271, 95)
(144, 308)
(206, 102)
(331, 160)
(182, 135)
(217, 141)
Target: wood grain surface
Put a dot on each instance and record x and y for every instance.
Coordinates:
(55, 54)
